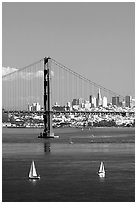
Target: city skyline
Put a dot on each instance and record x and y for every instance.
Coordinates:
(26, 86)
(104, 39)
(93, 102)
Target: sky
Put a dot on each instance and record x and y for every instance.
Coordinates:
(96, 40)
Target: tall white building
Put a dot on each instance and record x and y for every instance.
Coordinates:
(104, 101)
(94, 101)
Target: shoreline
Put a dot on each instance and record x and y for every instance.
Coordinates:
(70, 127)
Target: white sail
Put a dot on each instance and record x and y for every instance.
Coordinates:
(32, 172)
(101, 169)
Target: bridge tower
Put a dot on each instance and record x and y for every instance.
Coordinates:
(48, 129)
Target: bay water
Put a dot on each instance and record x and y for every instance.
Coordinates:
(68, 165)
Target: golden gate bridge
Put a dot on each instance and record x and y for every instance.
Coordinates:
(50, 84)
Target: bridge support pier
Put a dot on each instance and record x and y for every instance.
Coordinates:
(48, 129)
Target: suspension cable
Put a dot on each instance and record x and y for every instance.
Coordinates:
(84, 78)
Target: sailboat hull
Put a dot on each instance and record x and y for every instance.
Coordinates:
(34, 177)
(102, 174)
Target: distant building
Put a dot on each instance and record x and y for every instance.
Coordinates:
(68, 106)
(123, 104)
(81, 102)
(37, 106)
(58, 108)
(128, 101)
(75, 102)
(34, 107)
(76, 107)
(99, 98)
(90, 99)
(29, 107)
(115, 101)
(133, 102)
(104, 101)
(82, 105)
(87, 105)
(94, 102)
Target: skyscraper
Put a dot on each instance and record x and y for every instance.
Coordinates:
(99, 98)
(115, 101)
(128, 101)
(92, 100)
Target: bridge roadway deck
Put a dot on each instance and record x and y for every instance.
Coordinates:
(71, 112)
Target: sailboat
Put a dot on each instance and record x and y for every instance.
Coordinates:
(101, 171)
(33, 173)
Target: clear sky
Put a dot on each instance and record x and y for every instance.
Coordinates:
(96, 40)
